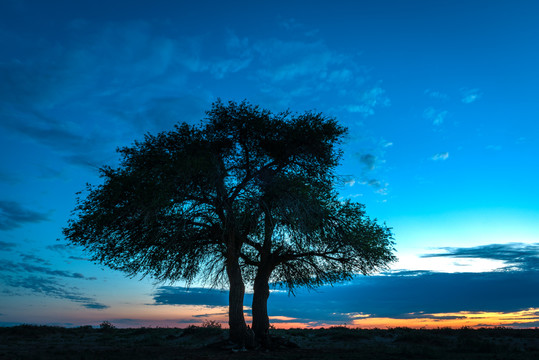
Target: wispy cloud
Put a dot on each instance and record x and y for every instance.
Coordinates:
(61, 248)
(368, 160)
(469, 96)
(24, 267)
(36, 274)
(436, 94)
(379, 186)
(284, 61)
(30, 258)
(517, 256)
(7, 246)
(90, 91)
(75, 94)
(351, 181)
(65, 250)
(303, 71)
(14, 215)
(374, 183)
(440, 156)
(436, 116)
(369, 101)
(51, 287)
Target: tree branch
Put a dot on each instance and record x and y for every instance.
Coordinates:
(248, 260)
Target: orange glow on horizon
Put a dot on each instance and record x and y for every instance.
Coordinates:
(432, 321)
(183, 316)
(423, 321)
(453, 320)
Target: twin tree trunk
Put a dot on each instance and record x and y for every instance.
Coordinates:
(260, 306)
(240, 334)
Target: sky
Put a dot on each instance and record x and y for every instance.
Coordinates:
(441, 99)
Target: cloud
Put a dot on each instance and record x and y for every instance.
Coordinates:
(394, 296)
(170, 295)
(24, 267)
(517, 256)
(436, 116)
(369, 160)
(78, 258)
(379, 186)
(13, 215)
(79, 94)
(436, 94)
(369, 101)
(100, 85)
(53, 288)
(350, 182)
(285, 61)
(7, 246)
(290, 24)
(210, 314)
(440, 156)
(297, 72)
(95, 305)
(69, 140)
(470, 95)
(29, 258)
(239, 56)
(61, 248)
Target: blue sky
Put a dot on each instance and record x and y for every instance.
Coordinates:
(440, 97)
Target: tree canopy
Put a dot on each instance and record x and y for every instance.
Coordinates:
(202, 201)
(308, 237)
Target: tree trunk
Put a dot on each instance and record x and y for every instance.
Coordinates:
(240, 334)
(260, 307)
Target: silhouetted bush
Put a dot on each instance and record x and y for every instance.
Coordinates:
(106, 326)
(207, 329)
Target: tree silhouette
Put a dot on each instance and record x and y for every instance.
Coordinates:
(308, 237)
(192, 203)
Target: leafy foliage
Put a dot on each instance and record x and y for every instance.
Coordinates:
(248, 193)
(180, 199)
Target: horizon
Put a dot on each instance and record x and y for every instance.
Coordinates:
(440, 99)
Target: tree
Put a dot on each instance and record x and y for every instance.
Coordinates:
(188, 203)
(309, 238)
(342, 245)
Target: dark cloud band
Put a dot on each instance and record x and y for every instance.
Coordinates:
(13, 215)
(398, 296)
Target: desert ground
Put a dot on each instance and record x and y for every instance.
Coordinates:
(209, 342)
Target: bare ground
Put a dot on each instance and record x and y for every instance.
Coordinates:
(46, 342)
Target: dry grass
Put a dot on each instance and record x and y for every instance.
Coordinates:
(209, 342)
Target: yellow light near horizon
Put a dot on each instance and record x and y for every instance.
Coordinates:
(453, 320)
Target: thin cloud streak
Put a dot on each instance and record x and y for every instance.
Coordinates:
(52, 288)
(14, 215)
(517, 256)
(7, 246)
(24, 267)
(470, 95)
(440, 156)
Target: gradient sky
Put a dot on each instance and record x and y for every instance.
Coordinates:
(441, 99)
